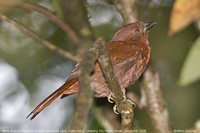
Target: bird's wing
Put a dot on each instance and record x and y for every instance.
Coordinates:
(120, 52)
(128, 62)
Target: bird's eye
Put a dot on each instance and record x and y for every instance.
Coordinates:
(137, 31)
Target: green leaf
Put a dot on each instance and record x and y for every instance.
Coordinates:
(191, 68)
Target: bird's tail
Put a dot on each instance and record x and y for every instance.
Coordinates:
(51, 98)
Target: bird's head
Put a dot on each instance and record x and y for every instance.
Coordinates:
(136, 31)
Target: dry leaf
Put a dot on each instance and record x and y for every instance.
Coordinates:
(183, 13)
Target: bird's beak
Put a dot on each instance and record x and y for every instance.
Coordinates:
(148, 26)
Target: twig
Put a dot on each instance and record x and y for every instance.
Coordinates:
(85, 98)
(41, 41)
(125, 107)
(127, 10)
(36, 8)
(75, 11)
(157, 111)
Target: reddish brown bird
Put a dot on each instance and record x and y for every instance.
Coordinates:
(129, 52)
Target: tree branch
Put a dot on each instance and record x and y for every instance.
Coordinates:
(41, 41)
(125, 107)
(36, 8)
(127, 9)
(75, 11)
(155, 103)
(85, 98)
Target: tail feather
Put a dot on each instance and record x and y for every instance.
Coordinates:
(51, 98)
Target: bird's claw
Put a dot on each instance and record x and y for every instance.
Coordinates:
(115, 109)
(111, 98)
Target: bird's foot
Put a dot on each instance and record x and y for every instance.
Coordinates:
(115, 110)
(111, 99)
(131, 103)
(111, 96)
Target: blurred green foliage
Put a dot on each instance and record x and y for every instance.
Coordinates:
(190, 71)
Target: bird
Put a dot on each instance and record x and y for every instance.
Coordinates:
(129, 52)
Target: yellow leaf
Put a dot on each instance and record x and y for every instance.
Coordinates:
(183, 13)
